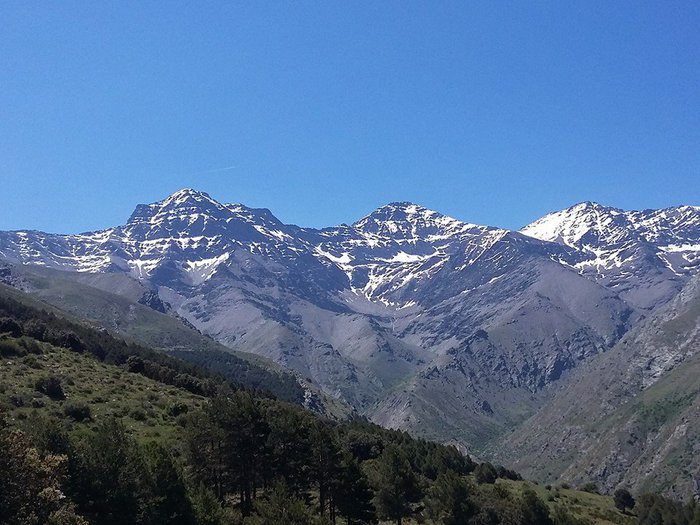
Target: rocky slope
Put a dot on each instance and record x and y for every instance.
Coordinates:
(629, 417)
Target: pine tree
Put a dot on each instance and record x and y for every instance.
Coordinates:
(353, 495)
(291, 449)
(167, 501)
(108, 481)
(245, 434)
(324, 465)
(281, 507)
(449, 500)
(623, 500)
(396, 485)
(207, 454)
(206, 506)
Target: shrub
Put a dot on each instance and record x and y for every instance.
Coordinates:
(36, 329)
(590, 487)
(485, 473)
(31, 345)
(138, 413)
(68, 339)
(77, 411)
(18, 400)
(10, 326)
(178, 408)
(505, 473)
(37, 402)
(32, 362)
(11, 347)
(533, 509)
(623, 499)
(51, 386)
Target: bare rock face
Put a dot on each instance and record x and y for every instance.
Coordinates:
(452, 330)
(629, 417)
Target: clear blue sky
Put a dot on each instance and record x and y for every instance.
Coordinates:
(493, 112)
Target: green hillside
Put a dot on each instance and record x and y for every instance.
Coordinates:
(92, 391)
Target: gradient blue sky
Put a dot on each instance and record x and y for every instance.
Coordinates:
(492, 112)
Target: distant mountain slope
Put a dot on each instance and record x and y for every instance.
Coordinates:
(450, 329)
(629, 417)
(645, 256)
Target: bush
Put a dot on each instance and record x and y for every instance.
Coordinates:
(623, 500)
(18, 400)
(77, 411)
(68, 339)
(11, 347)
(31, 345)
(32, 362)
(485, 473)
(590, 487)
(10, 326)
(138, 413)
(51, 386)
(178, 408)
(36, 329)
(533, 509)
(505, 473)
(37, 402)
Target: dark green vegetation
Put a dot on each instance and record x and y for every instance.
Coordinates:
(653, 510)
(98, 430)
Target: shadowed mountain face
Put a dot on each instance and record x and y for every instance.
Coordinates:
(452, 330)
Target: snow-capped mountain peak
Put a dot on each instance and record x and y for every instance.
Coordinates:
(395, 248)
(183, 202)
(612, 245)
(571, 225)
(409, 222)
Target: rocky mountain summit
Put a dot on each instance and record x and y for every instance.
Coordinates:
(645, 256)
(452, 330)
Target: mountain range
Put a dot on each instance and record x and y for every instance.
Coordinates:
(501, 342)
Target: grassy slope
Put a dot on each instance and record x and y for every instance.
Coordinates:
(144, 405)
(597, 508)
(114, 311)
